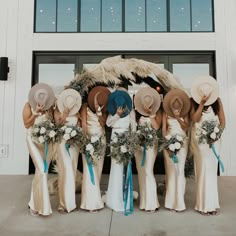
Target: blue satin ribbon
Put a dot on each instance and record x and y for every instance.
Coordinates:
(67, 148)
(174, 158)
(90, 167)
(218, 158)
(144, 154)
(46, 155)
(128, 191)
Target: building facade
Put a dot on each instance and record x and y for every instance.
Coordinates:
(47, 41)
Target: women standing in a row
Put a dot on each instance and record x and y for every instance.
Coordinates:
(94, 115)
(147, 103)
(206, 107)
(175, 122)
(68, 106)
(39, 109)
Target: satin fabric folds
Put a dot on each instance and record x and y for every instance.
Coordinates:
(91, 195)
(206, 165)
(147, 183)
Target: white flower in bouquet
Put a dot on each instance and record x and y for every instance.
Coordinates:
(73, 133)
(52, 134)
(204, 132)
(168, 137)
(89, 147)
(94, 139)
(171, 147)
(36, 130)
(91, 151)
(63, 127)
(123, 149)
(42, 130)
(179, 138)
(68, 130)
(146, 129)
(177, 145)
(213, 135)
(66, 136)
(41, 139)
(216, 130)
(198, 132)
(115, 140)
(150, 136)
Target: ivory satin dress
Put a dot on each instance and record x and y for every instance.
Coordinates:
(91, 195)
(114, 196)
(206, 165)
(175, 180)
(67, 169)
(147, 183)
(39, 199)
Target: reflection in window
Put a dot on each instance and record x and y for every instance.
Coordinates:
(56, 75)
(179, 15)
(67, 16)
(156, 15)
(202, 15)
(90, 16)
(135, 15)
(111, 15)
(45, 16)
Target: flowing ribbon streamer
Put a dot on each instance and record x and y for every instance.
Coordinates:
(176, 161)
(67, 148)
(129, 191)
(46, 155)
(218, 158)
(144, 154)
(90, 167)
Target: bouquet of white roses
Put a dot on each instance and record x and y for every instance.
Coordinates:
(123, 146)
(209, 132)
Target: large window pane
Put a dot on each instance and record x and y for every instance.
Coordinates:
(179, 15)
(56, 75)
(90, 16)
(67, 16)
(135, 15)
(45, 16)
(111, 15)
(202, 15)
(156, 15)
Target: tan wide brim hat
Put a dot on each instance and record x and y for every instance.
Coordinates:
(176, 97)
(204, 86)
(101, 93)
(69, 98)
(148, 97)
(41, 94)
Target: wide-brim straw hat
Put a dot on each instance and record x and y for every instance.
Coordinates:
(100, 93)
(41, 94)
(119, 98)
(69, 98)
(204, 86)
(176, 99)
(149, 98)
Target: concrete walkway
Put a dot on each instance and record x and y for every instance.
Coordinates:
(15, 219)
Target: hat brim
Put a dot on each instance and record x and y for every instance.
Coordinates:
(138, 100)
(61, 99)
(180, 94)
(104, 92)
(112, 106)
(51, 96)
(197, 97)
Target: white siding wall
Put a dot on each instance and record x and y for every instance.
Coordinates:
(17, 42)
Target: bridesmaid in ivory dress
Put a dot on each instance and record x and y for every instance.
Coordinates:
(207, 107)
(39, 109)
(94, 115)
(147, 103)
(66, 113)
(175, 122)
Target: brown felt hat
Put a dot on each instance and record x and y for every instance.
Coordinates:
(176, 99)
(204, 86)
(149, 98)
(41, 94)
(69, 98)
(100, 93)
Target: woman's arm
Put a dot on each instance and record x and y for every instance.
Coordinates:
(83, 115)
(184, 123)
(221, 114)
(164, 124)
(156, 120)
(102, 119)
(196, 114)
